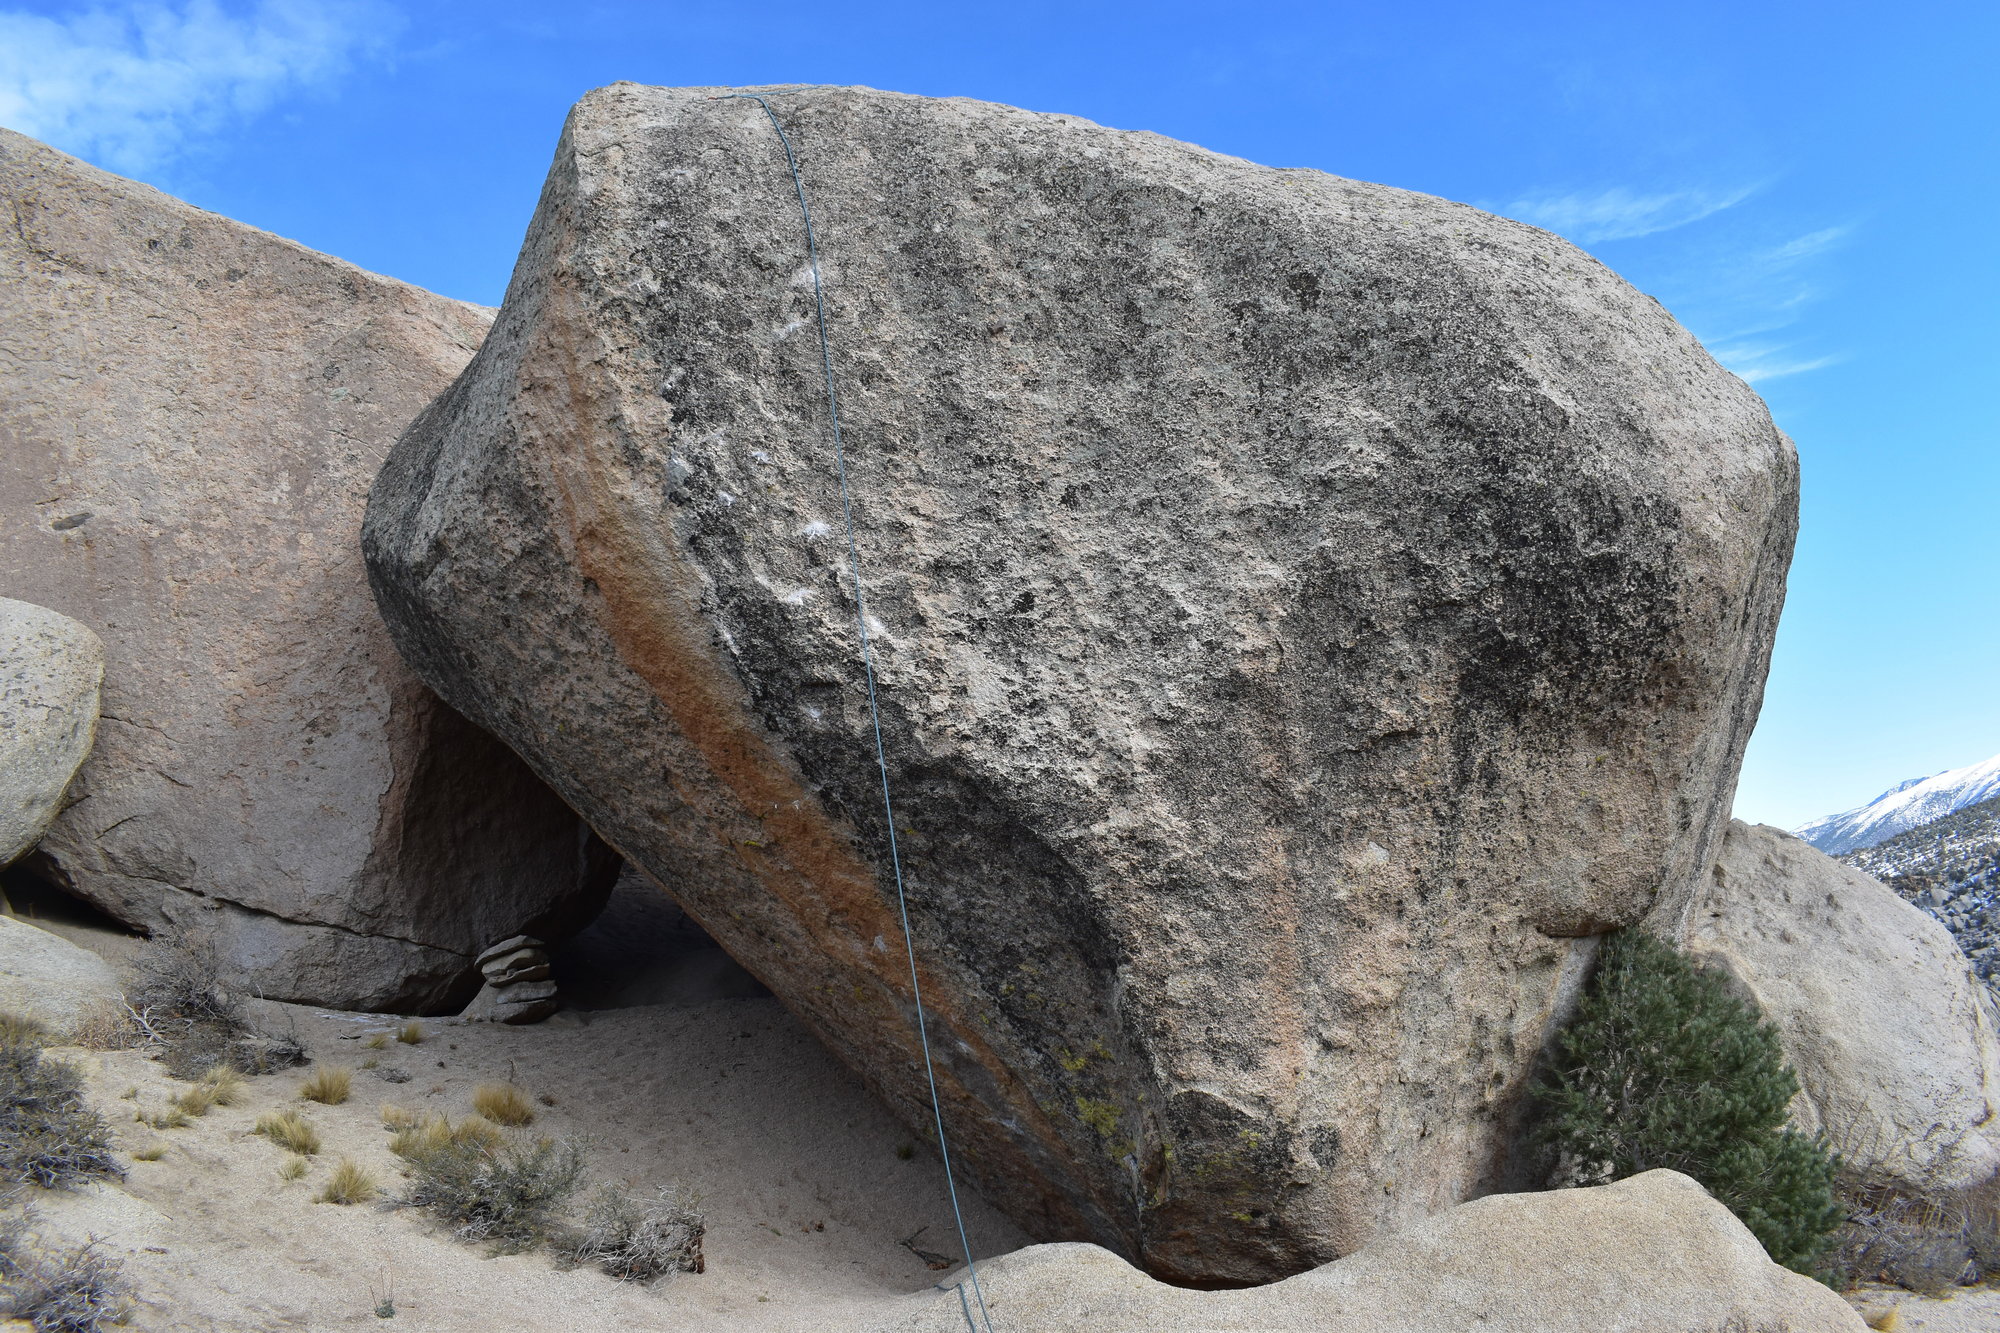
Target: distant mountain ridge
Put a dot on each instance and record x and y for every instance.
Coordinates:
(1904, 807)
(1949, 868)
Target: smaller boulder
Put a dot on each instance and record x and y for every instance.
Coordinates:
(51, 668)
(518, 988)
(45, 977)
(1891, 1033)
(1650, 1254)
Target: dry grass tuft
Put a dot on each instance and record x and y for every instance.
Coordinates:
(349, 1183)
(153, 1153)
(436, 1133)
(289, 1129)
(295, 1168)
(399, 1118)
(329, 1086)
(197, 1101)
(173, 1117)
(226, 1086)
(411, 1033)
(377, 1042)
(503, 1104)
(22, 1030)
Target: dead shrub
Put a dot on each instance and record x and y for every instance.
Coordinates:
(1928, 1239)
(49, 1136)
(640, 1240)
(58, 1289)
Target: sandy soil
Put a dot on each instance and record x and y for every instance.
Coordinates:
(1973, 1310)
(803, 1178)
(681, 1072)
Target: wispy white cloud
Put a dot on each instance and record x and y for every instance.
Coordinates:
(1767, 361)
(1618, 213)
(1768, 288)
(128, 84)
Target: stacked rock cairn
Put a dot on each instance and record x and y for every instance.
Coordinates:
(518, 988)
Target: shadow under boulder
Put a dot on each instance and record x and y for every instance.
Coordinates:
(642, 950)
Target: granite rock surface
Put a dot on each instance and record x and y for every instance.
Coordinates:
(1305, 613)
(51, 670)
(1891, 1033)
(191, 411)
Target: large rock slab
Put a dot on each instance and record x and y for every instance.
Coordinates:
(1891, 1033)
(1650, 1254)
(51, 669)
(1303, 608)
(44, 976)
(191, 411)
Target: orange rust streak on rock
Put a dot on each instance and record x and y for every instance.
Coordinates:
(654, 621)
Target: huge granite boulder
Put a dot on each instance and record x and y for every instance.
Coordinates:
(1650, 1254)
(51, 669)
(1879, 1012)
(191, 411)
(1304, 612)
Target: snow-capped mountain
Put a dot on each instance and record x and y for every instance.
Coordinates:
(1949, 868)
(1903, 807)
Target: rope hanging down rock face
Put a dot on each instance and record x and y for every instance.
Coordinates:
(874, 711)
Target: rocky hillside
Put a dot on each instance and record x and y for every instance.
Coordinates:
(1903, 807)
(1950, 868)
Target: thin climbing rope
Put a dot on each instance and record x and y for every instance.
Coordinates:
(874, 709)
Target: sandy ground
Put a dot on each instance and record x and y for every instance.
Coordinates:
(676, 1068)
(804, 1179)
(1973, 1310)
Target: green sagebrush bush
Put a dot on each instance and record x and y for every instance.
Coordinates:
(1663, 1067)
(513, 1197)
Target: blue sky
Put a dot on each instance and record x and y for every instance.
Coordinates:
(1811, 189)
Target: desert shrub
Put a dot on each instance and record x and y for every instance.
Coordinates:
(511, 1196)
(178, 1001)
(1663, 1067)
(289, 1129)
(329, 1086)
(57, 1289)
(105, 1027)
(503, 1104)
(637, 1240)
(1928, 1242)
(265, 1054)
(49, 1135)
(349, 1183)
